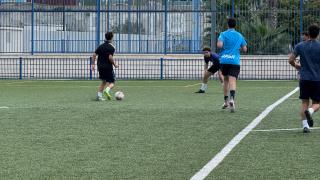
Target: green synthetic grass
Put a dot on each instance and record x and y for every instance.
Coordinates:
(161, 130)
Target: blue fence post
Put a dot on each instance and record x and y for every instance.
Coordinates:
(90, 62)
(32, 28)
(98, 10)
(232, 8)
(301, 19)
(161, 68)
(165, 26)
(20, 68)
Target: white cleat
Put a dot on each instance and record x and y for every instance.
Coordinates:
(100, 99)
(232, 106)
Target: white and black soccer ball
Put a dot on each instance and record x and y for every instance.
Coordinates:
(119, 95)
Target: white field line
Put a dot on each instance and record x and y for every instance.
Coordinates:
(192, 85)
(273, 130)
(4, 107)
(218, 158)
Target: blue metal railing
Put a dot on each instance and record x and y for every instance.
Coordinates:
(30, 27)
(262, 68)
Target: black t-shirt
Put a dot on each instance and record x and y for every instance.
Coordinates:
(214, 58)
(103, 52)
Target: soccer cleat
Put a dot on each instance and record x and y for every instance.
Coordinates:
(107, 94)
(306, 130)
(225, 105)
(232, 106)
(200, 91)
(100, 98)
(309, 118)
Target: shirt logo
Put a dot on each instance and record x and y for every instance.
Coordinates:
(228, 56)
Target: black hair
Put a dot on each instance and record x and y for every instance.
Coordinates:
(313, 31)
(232, 22)
(108, 36)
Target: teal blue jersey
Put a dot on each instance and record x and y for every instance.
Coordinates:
(232, 42)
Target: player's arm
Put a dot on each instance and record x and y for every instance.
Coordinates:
(205, 68)
(93, 64)
(111, 60)
(244, 48)
(293, 62)
(220, 44)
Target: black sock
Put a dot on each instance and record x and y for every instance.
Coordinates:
(225, 98)
(232, 94)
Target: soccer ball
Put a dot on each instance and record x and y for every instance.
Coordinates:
(119, 95)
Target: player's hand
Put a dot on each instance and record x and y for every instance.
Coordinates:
(297, 66)
(92, 67)
(116, 65)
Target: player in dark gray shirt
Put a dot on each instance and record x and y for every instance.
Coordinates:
(105, 64)
(309, 67)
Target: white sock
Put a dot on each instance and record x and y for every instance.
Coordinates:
(305, 123)
(311, 111)
(204, 87)
(99, 94)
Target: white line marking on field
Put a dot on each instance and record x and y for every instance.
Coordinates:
(192, 85)
(218, 158)
(273, 130)
(4, 107)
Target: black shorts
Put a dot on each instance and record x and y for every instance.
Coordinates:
(310, 90)
(106, 74)
(214, 68)
(230, 70)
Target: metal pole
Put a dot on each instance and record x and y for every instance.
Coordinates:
(20, 68)
(98, 23)
(213, 25)
(90, 62)
(301, 19)
(32, 28)
(165, 26)
(232, 9)
(195, 43)
(161, 68)
(129, 25)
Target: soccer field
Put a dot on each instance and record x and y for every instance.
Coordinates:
(161, 130)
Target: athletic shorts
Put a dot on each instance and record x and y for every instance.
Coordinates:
(106, 74)
(230, 70)
(310, 90)
(214, 68)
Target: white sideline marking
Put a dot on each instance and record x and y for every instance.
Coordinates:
(218, 158)
(4, 107)
(272, 130)
(192, 85)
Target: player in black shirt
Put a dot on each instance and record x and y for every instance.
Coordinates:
(214, 58)
(105, 64)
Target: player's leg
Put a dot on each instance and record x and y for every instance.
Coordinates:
(110, 79)
(314, 89)
(226, 92)
(232, 86)
(304, 107)
(109, 87)
(220, 76)
(305, 94)
(234, 72)
(205, 79)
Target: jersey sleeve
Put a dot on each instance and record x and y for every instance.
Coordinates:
(215, 57)
(98, 50)
(296, 50)
(221, 37)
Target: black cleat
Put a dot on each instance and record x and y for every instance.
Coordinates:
(200, 91)
(309, 118)
(306, 130)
